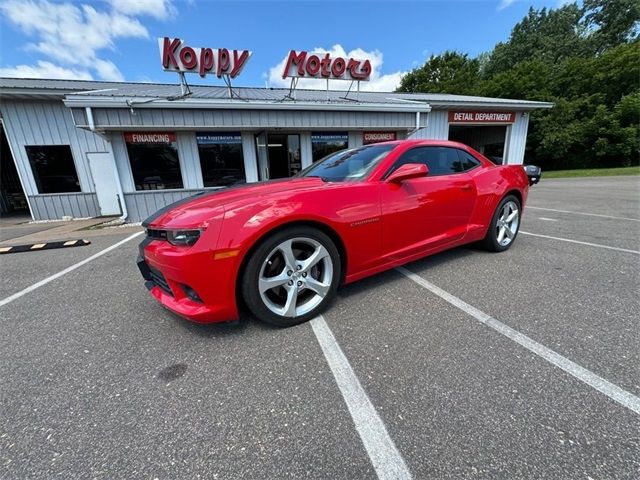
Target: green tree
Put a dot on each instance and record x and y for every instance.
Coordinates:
(450, 72)
(547, 35)
(613, 21)
(585, 60)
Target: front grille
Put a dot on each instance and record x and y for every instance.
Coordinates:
(158, 279)
(156, 234)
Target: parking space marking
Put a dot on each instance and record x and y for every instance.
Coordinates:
(383, 453)
(548, 219)
(55, 276)
(624, 398)
(598, 245)
(584, 213)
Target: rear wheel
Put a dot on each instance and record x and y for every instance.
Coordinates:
(292, 276)
(504, 225)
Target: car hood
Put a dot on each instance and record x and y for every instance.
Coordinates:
(192, 211)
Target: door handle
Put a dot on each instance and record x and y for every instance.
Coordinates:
(467, 188)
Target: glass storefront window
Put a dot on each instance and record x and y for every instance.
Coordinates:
(53, 168)
(221, 158)
(154, 160)
(326, 143)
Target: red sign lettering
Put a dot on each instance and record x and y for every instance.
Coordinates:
(304, 65)
(178, 57)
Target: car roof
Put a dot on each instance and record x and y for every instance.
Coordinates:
(419, 141)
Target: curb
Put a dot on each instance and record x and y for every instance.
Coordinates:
(43, 246)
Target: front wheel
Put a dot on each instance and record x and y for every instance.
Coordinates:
(291, 276)
(504, 225)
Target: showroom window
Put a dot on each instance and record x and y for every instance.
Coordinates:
(221, 158)
(53, 168)
(154, 160)
(326, 143)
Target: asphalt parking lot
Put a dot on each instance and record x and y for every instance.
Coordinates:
(98, 381)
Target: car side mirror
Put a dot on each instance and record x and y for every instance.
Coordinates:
(407, 172)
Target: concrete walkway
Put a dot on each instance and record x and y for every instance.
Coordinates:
(12, 233)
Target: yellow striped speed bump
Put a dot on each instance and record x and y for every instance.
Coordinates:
(43, 246)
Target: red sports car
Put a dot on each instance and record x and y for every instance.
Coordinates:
(283, 247)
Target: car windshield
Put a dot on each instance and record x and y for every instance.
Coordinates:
(348, 165)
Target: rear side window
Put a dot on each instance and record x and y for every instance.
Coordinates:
(467, 161)
(439, 160)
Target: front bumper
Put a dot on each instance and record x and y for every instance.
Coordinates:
(191, 283)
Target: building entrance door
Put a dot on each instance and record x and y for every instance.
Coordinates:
(278, 155)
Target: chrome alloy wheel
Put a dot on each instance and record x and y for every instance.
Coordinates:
(507, 224)
(295, 277)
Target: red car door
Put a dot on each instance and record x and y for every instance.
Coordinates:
(424, 213)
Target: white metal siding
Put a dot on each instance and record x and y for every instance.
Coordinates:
(54, 206)
(122, 118)
(437, 126)
(47, 123)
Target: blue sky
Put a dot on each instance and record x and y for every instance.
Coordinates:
(116, 39)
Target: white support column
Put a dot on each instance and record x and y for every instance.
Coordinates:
(306, 152)
(250, 156)
(355, 139)
(121, 156)
(517, 141)
(189, 160)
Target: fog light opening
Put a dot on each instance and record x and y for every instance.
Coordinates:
(191, 294)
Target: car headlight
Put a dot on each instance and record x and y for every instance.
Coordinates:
(183, 237)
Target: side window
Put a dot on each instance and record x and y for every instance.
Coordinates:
(466, 161)
(439, 160)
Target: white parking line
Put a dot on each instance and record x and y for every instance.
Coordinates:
(53, 277)
(548, 219)
(584, 213)
(581, 243)
(624, 398)
(385, 457)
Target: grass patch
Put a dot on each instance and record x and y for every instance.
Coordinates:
(592, 172)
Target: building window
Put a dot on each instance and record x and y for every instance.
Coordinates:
(323, 144)
(53, 168)
(154, 160)
(221, 158)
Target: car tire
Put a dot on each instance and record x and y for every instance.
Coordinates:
(291, 276)
(504, 226)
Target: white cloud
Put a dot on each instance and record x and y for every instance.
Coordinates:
(378, 82)
(160, 9)
(44, 70)
(505, 3)
(73, 35)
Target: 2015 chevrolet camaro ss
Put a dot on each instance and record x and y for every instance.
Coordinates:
(283, 247)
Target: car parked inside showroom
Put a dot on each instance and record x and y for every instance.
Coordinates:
(282, 248)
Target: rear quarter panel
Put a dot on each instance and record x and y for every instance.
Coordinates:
(493, 182)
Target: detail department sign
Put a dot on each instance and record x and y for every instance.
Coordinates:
(482, 117)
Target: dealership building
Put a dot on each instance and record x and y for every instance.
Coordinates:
(86, 149)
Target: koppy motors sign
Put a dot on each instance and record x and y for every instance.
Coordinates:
(176, 56)
(301, 64)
